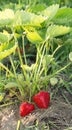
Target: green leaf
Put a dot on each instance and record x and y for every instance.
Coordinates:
(20, 77)
(4, 37)
(50, 11)
(2, 96)
(53, 81)
(56, 30)
(27, 18)
(47, 60)
(6, 50)
(36, 8)
(63, 16)
(6, 17)
(70, 56)
(11, 85)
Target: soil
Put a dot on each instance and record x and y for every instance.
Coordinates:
(57, 117)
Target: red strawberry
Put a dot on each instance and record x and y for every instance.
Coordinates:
(26, 108)
(42, 99)
(21, 50)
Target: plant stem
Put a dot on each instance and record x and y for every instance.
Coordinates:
(46, 78)
(66, 99)
(19, 2)
(16, 94)
(41, 61)
(62, 68)
(18, 125)
(8, 104)
(12, 65)
(56, 50)
(19, 87)
(4, 67)
(24, 49)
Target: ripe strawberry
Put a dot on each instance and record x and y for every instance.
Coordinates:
(26, 108)
(21, 50)
(42, 99)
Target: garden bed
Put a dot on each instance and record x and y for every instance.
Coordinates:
(57, 117)
(35, 56)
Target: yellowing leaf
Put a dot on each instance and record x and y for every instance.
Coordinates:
(33, 36)
(27, 18)
(7, 51)
(6, 17)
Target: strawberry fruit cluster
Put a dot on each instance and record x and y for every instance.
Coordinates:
(41, 99)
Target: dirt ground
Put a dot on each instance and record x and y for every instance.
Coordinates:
(57, 117)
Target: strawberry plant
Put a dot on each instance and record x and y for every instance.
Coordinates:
(39, 29)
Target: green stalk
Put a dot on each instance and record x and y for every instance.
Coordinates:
(62, 68)
(19, 2)
(38, 70)
(41, 61)
(56, 49)
(29, 2)
(19, 87)
(18, 125)
(24, 49)
(21, 62)
(20, 58)
(4, 67)
(12, 65)
(19, 98)
(8, 104)
(66, 99)
(46, 78)
(39, 49)
(41, 72)
(26, 74)
(27, 79)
